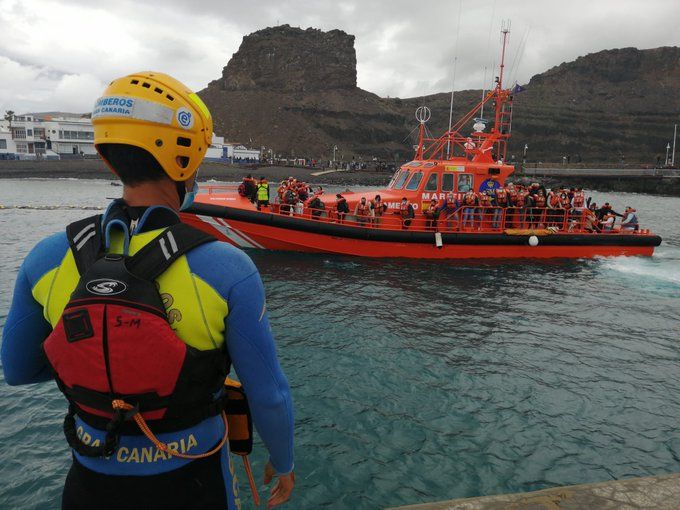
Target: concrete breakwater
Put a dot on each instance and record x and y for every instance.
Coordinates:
(652, 181)
(652, 492)
(96, 169)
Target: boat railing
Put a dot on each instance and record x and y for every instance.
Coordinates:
(465, 219)
(220, 188)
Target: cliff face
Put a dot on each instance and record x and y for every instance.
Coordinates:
(293, 60)
(295, 91)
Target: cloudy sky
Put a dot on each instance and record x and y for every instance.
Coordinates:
(59, 54)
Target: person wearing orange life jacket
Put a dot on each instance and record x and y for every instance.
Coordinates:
(362, 211)
(406, 212)
(378, 208)
(554, 215)
(470, 201)
(538, 209)
(500, 202)
(144, 371)
(450, 209)
(431, 215)
(485, 212)
(579, 198)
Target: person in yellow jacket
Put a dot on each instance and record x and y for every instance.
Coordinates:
(262, 193)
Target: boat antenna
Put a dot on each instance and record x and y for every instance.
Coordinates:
(488, 57)
(514, 68)
(423, 114)
(453, 81)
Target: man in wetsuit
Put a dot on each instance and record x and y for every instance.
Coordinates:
(153, 132)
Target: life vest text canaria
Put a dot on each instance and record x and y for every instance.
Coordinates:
(142, 455)
(153, 454)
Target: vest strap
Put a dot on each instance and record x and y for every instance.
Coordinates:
(158, 255)
(85, 239)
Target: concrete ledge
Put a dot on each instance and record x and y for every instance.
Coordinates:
(653, 492)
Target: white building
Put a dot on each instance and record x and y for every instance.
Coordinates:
(227, 152)
(47, 136)
(8, 148)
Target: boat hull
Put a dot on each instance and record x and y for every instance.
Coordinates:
(252, 229)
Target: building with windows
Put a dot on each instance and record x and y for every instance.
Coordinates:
(48, 136)
(221, 151)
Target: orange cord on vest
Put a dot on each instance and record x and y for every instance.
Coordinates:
(144, 427)
(141, 423)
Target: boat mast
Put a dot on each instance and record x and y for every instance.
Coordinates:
(499, 82)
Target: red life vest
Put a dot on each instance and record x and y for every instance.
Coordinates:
(470, 198)
(519, 200)
(565, 201)
(362, 209)
(485, 200)
(539, 200)
(579, 199)
(501, 196)
(113, 342)
(403, 210)
(553, 200)
(378, 207)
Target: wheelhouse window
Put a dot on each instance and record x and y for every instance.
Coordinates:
(401, 179)
(414, 182)
(394, 178)
(429, 164)
(465, 183)
(431, 184)
(447, 182)
(414, 163)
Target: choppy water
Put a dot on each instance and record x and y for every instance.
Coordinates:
(416, 381)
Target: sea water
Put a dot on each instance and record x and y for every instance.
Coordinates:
(413, 380)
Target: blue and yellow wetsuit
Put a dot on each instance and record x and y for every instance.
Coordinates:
(212, 295)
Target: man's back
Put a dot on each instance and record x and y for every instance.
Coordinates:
(213, 295)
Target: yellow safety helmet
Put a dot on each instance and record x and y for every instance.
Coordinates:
(157, 113)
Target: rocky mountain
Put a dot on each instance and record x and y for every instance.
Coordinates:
(295, 91)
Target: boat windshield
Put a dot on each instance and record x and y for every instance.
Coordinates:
(399, 183)
(394, 178)
(415, 181)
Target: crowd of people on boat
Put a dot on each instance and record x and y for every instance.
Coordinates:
(532, 206)
(511, 206)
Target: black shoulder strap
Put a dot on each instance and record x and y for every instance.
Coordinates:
(85, 239)
(149, 262)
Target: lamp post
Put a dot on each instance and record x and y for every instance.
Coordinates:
(675, 135)
(668, 148)
(335, 148)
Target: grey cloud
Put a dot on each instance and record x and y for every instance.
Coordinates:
(403, 48)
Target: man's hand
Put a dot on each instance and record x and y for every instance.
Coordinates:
(280, 493)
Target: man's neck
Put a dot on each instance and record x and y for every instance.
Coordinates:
(152, 193)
